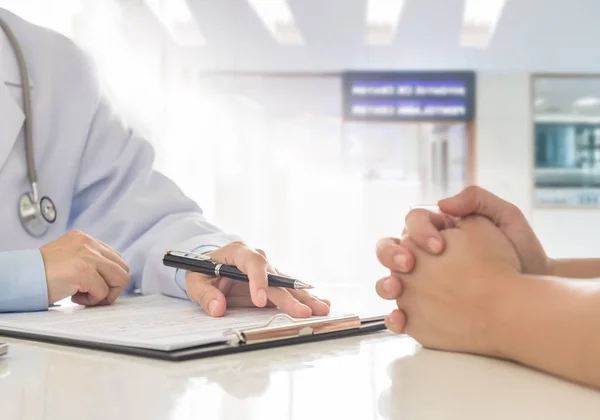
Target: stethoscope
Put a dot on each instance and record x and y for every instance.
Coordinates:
(36, 213)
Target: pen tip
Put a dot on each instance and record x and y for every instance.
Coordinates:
(302, 286)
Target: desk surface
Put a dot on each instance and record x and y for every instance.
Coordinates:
(375, 377)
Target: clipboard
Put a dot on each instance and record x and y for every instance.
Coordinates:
(295, 332)
(270, 335)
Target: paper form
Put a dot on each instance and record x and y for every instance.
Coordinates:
(151, 322)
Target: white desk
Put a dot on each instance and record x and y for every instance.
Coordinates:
(375, 377)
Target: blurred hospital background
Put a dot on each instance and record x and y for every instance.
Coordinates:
(309, 127)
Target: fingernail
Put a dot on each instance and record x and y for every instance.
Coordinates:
(434, 245)
(262, 297)
(212, 306)
(388, 286)
(400, 261)
(388, 320)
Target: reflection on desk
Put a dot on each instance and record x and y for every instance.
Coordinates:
(371, 377)
(436, 385)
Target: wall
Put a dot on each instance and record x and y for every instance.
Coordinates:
(505, 165)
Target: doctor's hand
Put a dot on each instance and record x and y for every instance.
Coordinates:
(214, 295)
(424, 228)
(87, 270)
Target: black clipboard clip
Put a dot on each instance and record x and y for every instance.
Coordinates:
(293, 329)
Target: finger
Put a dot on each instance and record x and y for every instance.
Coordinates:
(261, 252)
(254, 265)
(201, 291)
(389, 288)
(115, 277)
(476, 200)
(317, 307)
(112, 255)
(81, 299)
(424, 226)
(92, 290)
(304, 292)
(284, 300)
(393, 255)
(325, 301)
(396, 321)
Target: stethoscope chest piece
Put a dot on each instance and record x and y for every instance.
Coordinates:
(36, 216)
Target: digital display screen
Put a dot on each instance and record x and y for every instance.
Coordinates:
(409, 96)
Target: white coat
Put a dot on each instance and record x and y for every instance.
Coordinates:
(96, 169)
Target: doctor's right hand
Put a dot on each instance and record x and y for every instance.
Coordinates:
(85, 269)
(215, 295)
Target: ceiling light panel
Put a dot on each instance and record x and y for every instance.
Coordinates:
(382, 21)
(177, 18)
(587, 101)
(278, 18)
(479, 22)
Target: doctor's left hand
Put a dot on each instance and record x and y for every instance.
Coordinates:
(214, 295)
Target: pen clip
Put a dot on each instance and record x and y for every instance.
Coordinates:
(188, 254)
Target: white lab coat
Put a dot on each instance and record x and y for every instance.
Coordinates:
(98, 172)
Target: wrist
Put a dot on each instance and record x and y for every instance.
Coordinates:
(529, 307)
(552, 267)
(504, 314)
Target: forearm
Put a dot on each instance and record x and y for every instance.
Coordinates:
(552, 325)
(576, 269)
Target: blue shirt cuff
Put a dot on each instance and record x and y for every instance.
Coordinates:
(180, 274)
(23, 281)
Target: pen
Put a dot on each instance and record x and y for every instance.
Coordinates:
(205, 265)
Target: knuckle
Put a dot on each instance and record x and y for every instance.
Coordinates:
(512, 211)
(125, 279)
(380, 245)
(260, 259)
(193, 289)
(415, 214)
(473, 193)
(237, 244)
(201, 296)
(417, 222)
(473, 190)
(262, 252)
(112, 297)
(384, 245)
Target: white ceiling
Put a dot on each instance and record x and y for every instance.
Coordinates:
(532, 35)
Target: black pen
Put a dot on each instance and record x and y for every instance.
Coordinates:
(203, 264)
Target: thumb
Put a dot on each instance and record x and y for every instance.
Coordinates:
(476, 200)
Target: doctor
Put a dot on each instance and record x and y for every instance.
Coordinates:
(83, 213)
